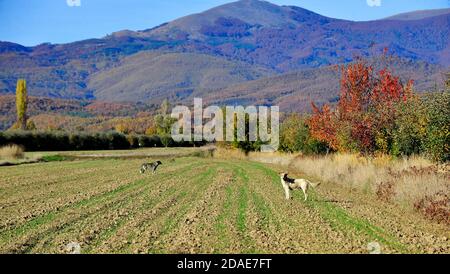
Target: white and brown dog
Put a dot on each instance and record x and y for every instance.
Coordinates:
(293, 184)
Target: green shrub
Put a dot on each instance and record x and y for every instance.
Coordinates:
(149, 141)
(167, 140)
(155, 141)
(295, 137)
(2, 138)
(61, 141)
(133, 140)
(437, 141)
(117, 140)
(54, 158)
(101, 142)
(409, 130)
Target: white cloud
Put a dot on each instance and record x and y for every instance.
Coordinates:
(374, 3)
(74, 3)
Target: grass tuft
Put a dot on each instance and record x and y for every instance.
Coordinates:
(11, 152)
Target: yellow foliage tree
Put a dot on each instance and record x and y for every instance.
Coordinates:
(21, 103)
(122, 128)
(151, 130)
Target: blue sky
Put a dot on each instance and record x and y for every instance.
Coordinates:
(31, 22)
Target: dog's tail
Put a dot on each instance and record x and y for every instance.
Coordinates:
(314, 185)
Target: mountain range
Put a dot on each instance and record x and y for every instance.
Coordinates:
(249, 51)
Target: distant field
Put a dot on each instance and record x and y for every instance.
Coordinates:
(193, 205)
(138, 153)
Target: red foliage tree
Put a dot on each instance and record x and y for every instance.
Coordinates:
(366, 107)
(322, 125)
(387, 92)
(356, 86)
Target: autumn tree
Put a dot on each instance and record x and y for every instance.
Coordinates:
(133, 125)
(388, 94)
(295, 136)
(122, 128)
(410, 127)
(365, 114)
(323, 126)
(21, 104)
(437, 142)
(151, 130)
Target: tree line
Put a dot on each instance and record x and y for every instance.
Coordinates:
(376, 113)
(25, 133)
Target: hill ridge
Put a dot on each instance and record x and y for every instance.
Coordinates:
(244, 40)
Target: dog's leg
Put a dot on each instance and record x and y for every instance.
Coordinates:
(286, 191)
(305, 191)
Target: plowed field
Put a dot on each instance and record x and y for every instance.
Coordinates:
(194, 205)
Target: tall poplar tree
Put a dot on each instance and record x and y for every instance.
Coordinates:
(21, 103)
